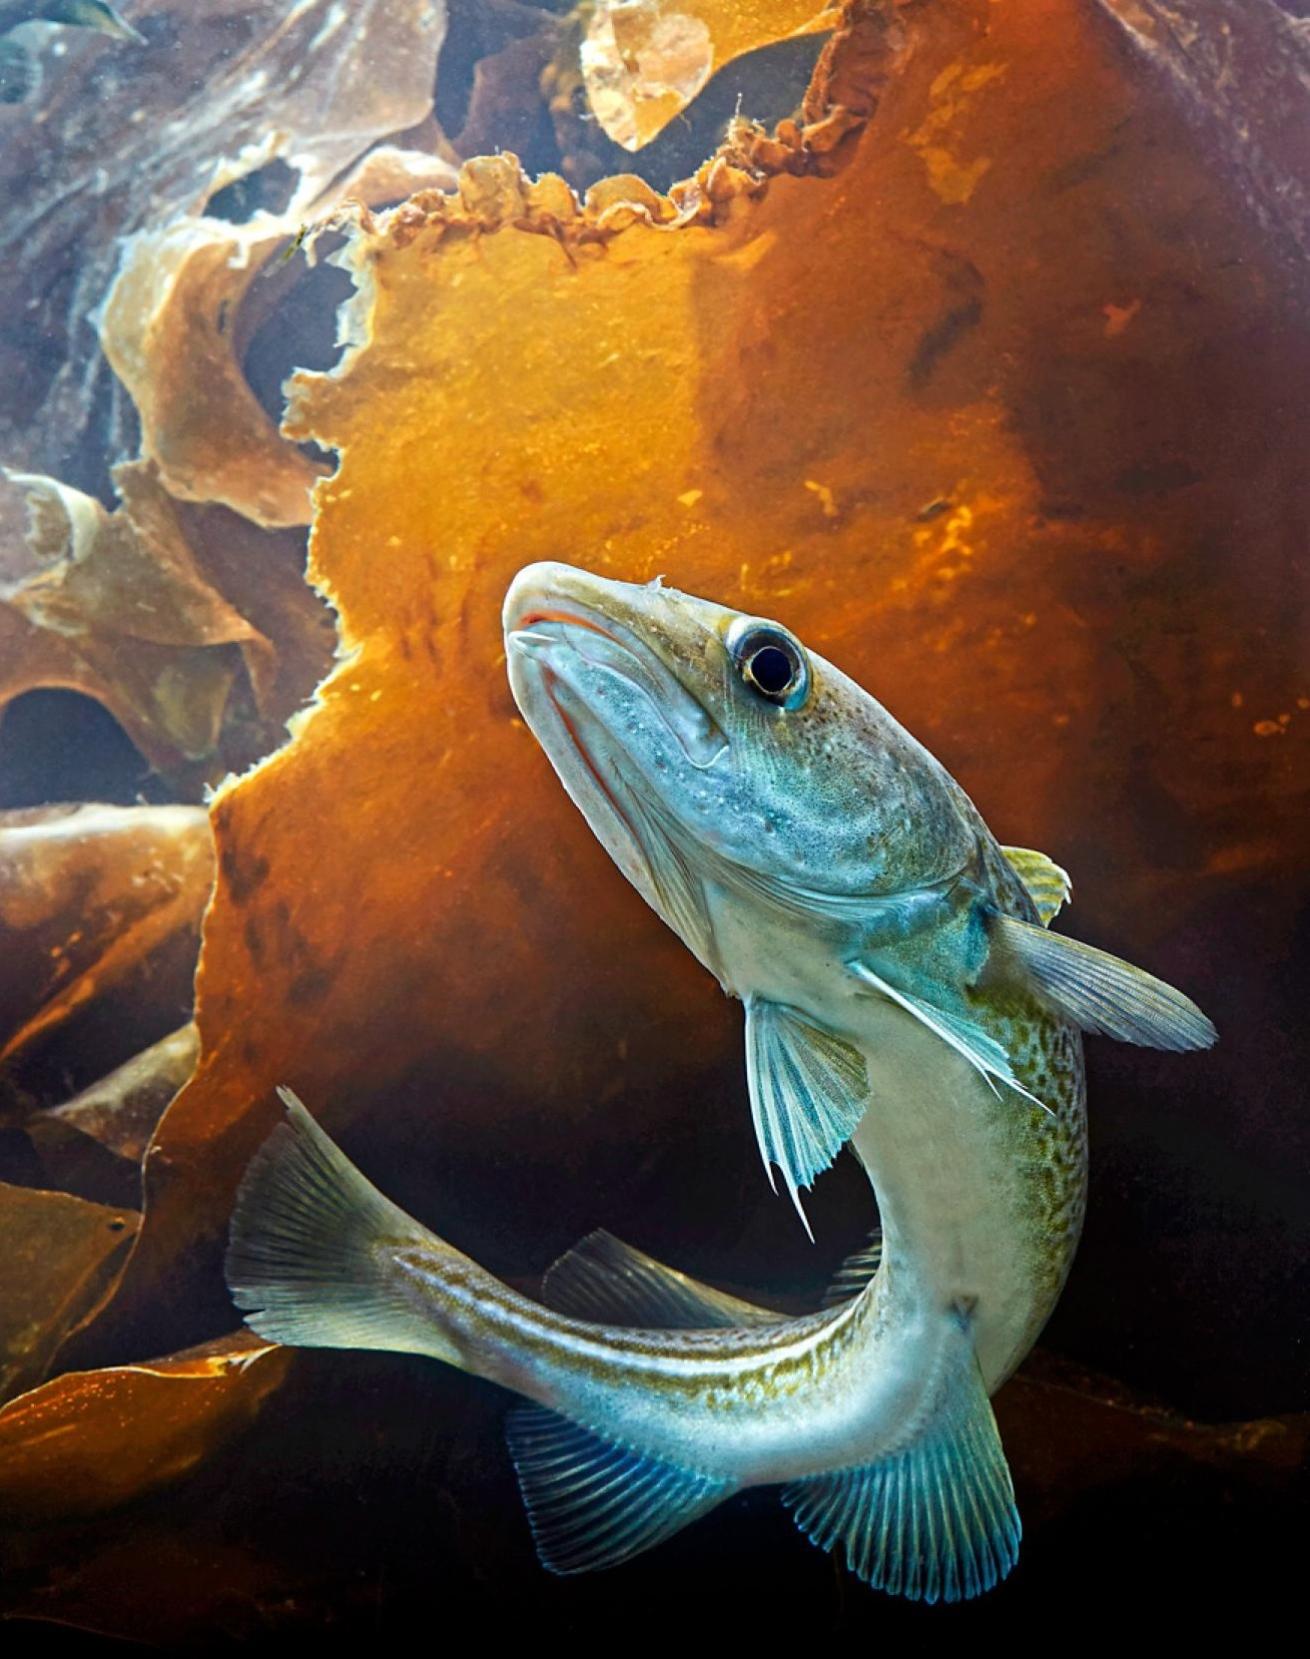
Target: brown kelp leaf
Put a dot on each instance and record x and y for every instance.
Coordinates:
(323, 1516)
(1068, 1433)
(122, 1110)
(166, 329)
(174, 321)
(1240, 71)
(130, 575)
(275, 103)
(90, 1439)
(88, 895)
(191, 625)
(58, 1258)
(643, 62)
(122, 613)
(885, 404)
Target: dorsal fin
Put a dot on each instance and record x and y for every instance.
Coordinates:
(809, 1089)
(856, 1271)
(605, 1280)
(1049, 887)
(934, 1522)
(592, 1503)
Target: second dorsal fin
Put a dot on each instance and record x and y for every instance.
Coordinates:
(856, 1271)
(611, 1283)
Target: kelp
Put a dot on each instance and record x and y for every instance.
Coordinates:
(92, 900)
(58, 1258)
(93, 1145)
(221, 93)
(913, 445)
(178, 317)
(123, 596)
(929, 371)
(85, 1442)
(122, 1110)
(127, 258)
(642, 63)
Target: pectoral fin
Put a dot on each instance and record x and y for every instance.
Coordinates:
(964, 1036)
(935, 1522)
(1099, 992)
(809, 1089)
(1049, 887)
(592, 1503)
(607, 1281)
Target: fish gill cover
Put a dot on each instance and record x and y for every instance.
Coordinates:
(961, 336)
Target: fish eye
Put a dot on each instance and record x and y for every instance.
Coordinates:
(770, 661)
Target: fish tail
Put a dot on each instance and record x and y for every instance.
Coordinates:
(311, 1258)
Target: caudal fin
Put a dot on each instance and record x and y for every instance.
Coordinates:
(311, 1258)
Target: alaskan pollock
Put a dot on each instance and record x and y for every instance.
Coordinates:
(902, 993)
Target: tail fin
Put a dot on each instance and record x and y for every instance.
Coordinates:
(311, 1258)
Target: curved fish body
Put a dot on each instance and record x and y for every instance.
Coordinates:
(655, 1397)
(901, 994)
(901, 990)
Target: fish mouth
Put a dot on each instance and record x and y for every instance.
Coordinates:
(580, 676)
(543, 627)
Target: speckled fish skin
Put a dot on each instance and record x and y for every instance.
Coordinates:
(753, 1405)
(981, 1191)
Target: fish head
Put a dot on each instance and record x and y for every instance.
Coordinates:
(707, 747)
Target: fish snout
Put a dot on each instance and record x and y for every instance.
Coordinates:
(541, 589)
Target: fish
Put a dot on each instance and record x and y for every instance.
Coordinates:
(902, 988)
(19, 69)
(833, 876)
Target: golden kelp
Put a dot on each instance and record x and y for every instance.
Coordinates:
(850, 400)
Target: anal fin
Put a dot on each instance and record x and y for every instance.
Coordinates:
(592, 1503)
(611, 1283)
(934, 1522)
